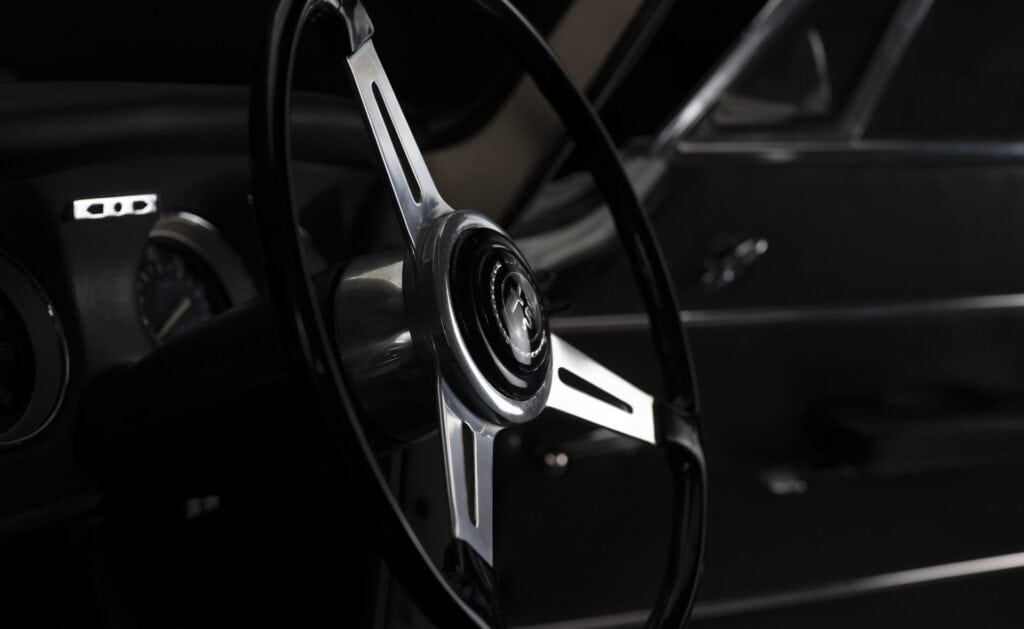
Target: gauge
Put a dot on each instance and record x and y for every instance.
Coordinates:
(33, 355)
(176, 291)
(187, 276)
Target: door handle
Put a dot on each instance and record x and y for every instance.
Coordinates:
(727, 268)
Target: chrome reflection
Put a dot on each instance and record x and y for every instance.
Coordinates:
(584, 388)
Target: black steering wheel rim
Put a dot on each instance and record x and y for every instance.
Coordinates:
(310, 343)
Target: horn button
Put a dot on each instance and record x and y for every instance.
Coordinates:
(499, 314)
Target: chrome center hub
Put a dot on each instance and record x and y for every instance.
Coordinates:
(499, 313)
(468, 306)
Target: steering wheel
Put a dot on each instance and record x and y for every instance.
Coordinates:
(455, 322)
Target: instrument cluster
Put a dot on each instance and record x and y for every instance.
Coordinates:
(105, 263)
(185, 273)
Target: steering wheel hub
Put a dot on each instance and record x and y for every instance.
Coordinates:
(499, 313)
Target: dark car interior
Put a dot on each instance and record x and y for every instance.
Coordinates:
(729, 336)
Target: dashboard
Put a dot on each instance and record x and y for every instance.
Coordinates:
(101, 264)
(115, 262)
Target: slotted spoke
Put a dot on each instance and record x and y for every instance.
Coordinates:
(583, 388)
(469, 463)
(409, 180)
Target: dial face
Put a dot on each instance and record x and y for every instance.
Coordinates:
(176, 290)
(17, 365)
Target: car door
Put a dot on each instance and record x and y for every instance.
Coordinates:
(840, 205)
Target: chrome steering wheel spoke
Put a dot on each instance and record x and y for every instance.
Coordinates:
(469, 466)
(412, 187)
(586, 389)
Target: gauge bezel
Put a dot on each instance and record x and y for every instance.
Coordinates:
(49, 348)
(206, 242)
(199, 238)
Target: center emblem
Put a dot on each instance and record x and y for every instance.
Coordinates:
(515, 307)
(498, 309)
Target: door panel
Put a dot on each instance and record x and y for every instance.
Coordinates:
(862, 395)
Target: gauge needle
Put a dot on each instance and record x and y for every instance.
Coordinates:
(179, 310)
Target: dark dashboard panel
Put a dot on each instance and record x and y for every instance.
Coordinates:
(91, 269)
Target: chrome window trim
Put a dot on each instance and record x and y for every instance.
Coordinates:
(765, 26)
(904, 24)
